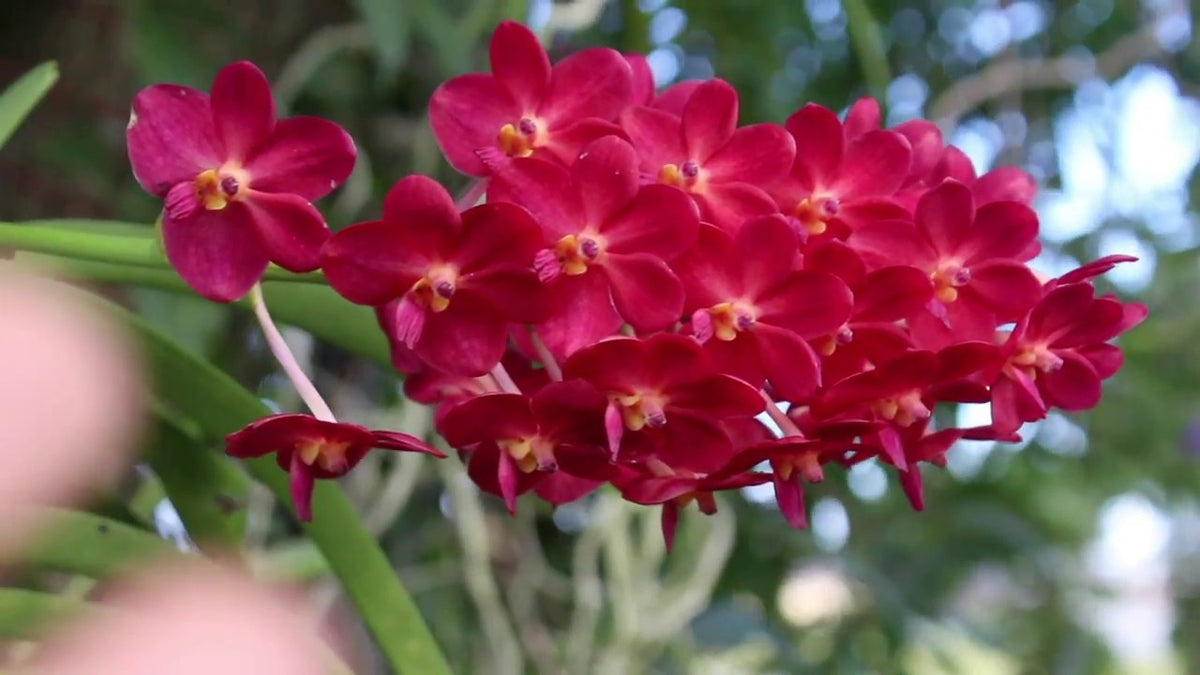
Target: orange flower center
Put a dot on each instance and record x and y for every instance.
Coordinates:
(808, 465)
(641, 410)
(686, 176)
(435, 289)
(1034, 358)
(814, 213)
(215, 188)
(328, 455)
(947, 279)
(530, 454)
(520, 139)
(570, 255)
(903, 409)
(724, 321)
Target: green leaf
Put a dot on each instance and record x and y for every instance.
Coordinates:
(90, 545)
(388, 25)
(219, 405)
(316, 309)
(21, 96)
(208, 492)
(24, 613)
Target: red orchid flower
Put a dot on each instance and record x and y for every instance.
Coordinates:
(916, 443)
(666, 399)
(551, 442)
(657, 483)
(238, 184)
(459, 279)
(838, 180)
(753, 310)
(310, 449)
(526, 107)
(902, 391)
(724, 168)
(599, 224)
(974, 257)
(882, 298)
(1059, 355)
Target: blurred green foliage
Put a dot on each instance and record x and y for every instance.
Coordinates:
(996, 571)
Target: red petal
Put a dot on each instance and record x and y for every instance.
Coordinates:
(893, 242)
(760, 154)
(582, 313)
(694, 442)
(945, 215)
(893, 447)
(1015, 400)
(606, 177)
(892, 294)
(307, 156)
(728, 205)
(643, 79)
(1001, 230)
(789, 494)
(669, 523)
(791, 365)
(545, 190)
(520, 64)
(512, 292)
(673, 358)
(613, 365)
(291, 229)
(811, 304)
(927, 144)
(838, 259)
(270, 434)
(1009, 288)
(1105, 359)
(595, 82)
(217, 253)
(565, 144)
(467, 113)
(395, 440)
(646, 292)
(819, 140)
(495, 234)
(243, 109)
(964, 359)
(914, 487)
(739, 358)
(420, 202)
(465, 339)
(709, 119)
(508, 478)
(570, 412)
(660, 220)
(1074, 386)
(489, 417)
(865, 115)
(717, 396)
(675, 97)
(708, 273)
(769, 251)
(1004, 183)
(1058, 311)
(561, 487)
(170, 137)
(373, 263)
(875, 164)
(657, 136)
(301, 486)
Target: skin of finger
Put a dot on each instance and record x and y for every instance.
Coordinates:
(70, 398)
(188, 621)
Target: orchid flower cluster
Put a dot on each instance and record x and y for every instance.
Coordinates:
(645, 281)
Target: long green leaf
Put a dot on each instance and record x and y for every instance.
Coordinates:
(219, 405)
(208, 492)
(388, 25)
(25, 613)
(90, 545)
(21, 96)
(316, 309)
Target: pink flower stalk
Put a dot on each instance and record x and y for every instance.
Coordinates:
(237, 183)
